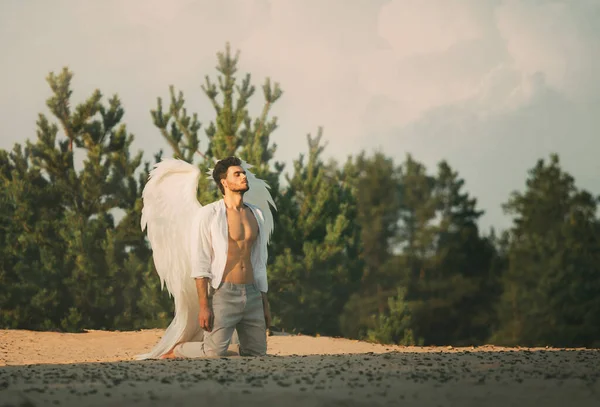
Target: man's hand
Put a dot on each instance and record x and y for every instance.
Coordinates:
(267, 310)
(206, 318)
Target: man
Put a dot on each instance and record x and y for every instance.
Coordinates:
(229, 268)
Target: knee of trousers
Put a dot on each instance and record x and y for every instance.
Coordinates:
(246, 352)
(254, 349)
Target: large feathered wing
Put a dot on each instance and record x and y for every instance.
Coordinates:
(170, 213)
(259, 195)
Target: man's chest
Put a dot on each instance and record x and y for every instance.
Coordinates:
(242, 226)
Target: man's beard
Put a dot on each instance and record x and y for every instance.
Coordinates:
(241, 189)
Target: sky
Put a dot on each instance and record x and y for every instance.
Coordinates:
(491, 86)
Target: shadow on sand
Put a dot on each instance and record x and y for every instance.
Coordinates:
(474, 378)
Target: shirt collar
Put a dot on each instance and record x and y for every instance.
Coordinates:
(223, 210)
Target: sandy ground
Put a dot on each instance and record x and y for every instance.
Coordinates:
(97, 368)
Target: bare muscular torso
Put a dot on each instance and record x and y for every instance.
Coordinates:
(243, 231)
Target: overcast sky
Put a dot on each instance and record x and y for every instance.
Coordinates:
(489, 85)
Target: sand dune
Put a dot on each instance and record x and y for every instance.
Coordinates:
(98, 368)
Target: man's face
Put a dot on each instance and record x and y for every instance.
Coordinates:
(236, 179)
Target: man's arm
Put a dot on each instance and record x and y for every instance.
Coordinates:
(205, 317)
(201, 247)
(201, 258)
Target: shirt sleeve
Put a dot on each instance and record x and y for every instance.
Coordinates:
(201, 247)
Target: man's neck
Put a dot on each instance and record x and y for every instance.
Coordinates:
(234, 201)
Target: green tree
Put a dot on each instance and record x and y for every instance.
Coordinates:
(551, 288)
(443, 265)
(31, 292)
(454, 299)
(395, 326)
(375, 185)
(232, 132)
(312, 277)
(415, 239)
(417, 230)
(87, 264)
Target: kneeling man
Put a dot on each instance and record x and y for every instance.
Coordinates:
(230, 268)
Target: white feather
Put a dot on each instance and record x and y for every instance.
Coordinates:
(258, 195)
(170, 205)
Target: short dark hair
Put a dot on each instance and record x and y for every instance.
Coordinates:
(220, 170)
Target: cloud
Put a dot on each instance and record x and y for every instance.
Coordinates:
(415, 27)
(467, 80)
(557, 40)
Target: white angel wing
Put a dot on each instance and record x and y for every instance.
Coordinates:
(259, 195)
(170, 206)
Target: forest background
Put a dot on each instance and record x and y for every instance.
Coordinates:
(370, 248)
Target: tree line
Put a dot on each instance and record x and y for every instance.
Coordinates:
(369, 248)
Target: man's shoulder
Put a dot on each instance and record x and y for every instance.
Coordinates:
(256, 210)
(252, 206)
(207, 212)
(211, 207)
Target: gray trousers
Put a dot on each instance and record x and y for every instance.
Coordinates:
(235, 307)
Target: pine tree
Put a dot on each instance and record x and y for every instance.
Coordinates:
(80, 265)
(417, 231)
(375, 183)
(551, 287)
(233, 132)
(443, 267)
(456, 295)
(313, 276)
(31, 292)
(395, 325)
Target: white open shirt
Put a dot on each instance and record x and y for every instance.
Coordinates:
(210, 245)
